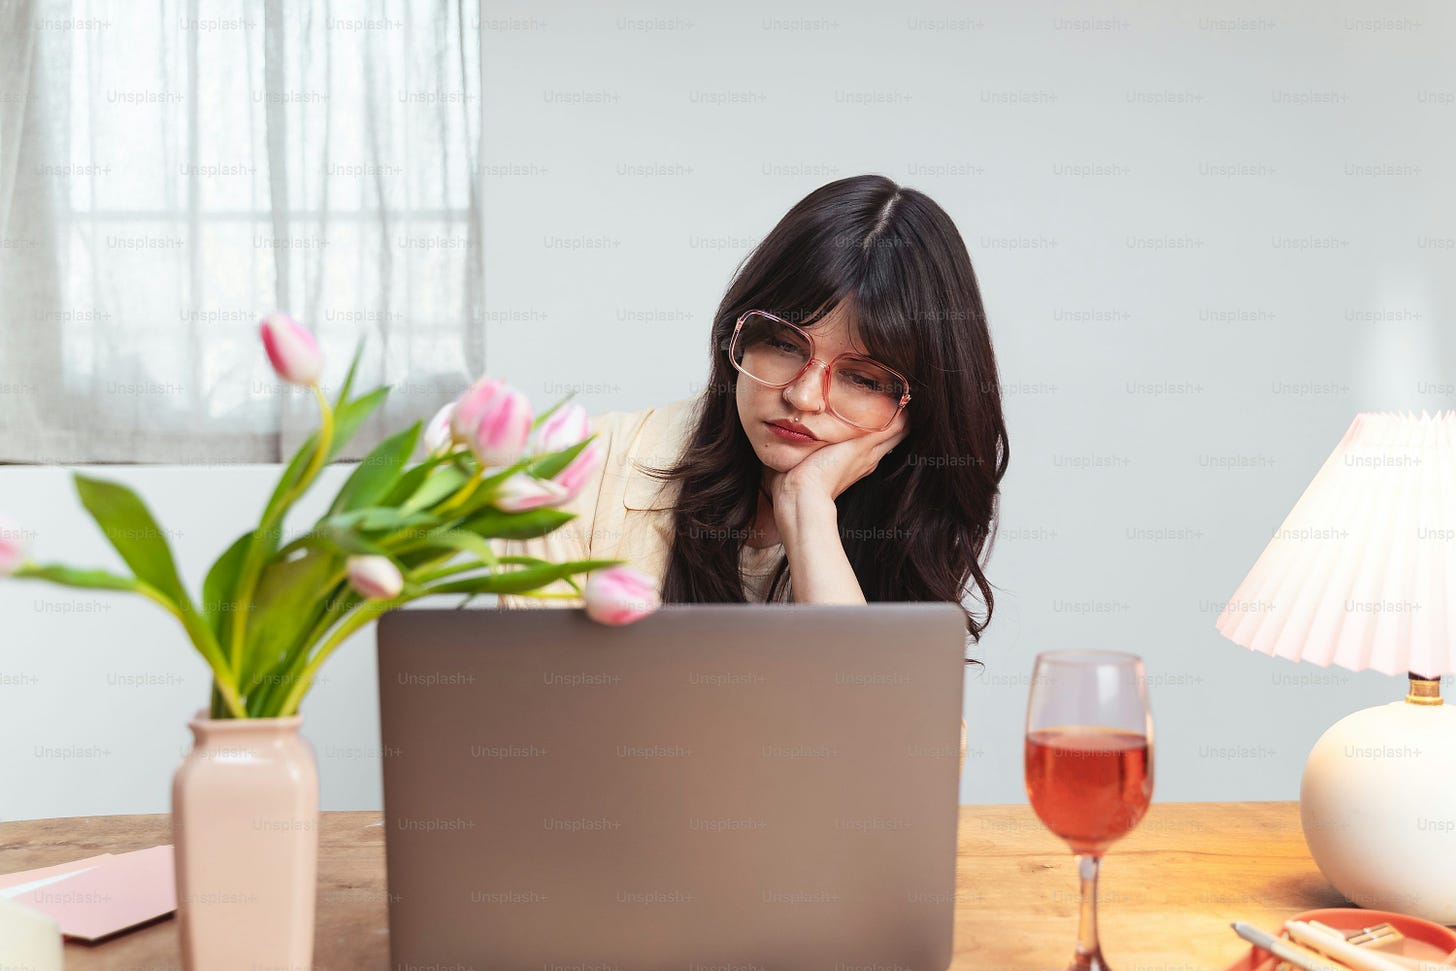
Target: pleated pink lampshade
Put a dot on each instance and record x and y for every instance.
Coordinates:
(1362, 573)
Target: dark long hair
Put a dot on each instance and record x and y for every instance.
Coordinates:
(915, 528)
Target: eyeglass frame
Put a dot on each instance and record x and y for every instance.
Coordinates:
(828, 369)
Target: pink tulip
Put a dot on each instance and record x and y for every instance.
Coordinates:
(292, 350)
(465, 416)
(12, 547)
(493, 420)
(563, 428)
(521, 492)
(374, 577)
(620, 595)
(472, 405)
(437, 436)
(579, 471)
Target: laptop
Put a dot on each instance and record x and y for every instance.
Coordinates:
(712, 787)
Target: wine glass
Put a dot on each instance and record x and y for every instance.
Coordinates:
(1089, 763)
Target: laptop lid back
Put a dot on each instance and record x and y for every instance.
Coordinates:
(720, 786)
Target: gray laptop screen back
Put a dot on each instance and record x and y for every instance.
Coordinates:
(712, 787)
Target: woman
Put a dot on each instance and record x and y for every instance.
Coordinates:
(849, 444)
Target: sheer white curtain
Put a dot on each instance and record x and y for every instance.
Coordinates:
(169, 172)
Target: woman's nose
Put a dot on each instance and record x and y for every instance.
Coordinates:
(807, 393)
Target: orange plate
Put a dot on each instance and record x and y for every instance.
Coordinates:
(1423, 939)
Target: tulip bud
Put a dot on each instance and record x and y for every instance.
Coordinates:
(579, 471)
(520, 492)
(437, 437)
(374, 577)
(493, 420)
(292, 350)
(12, 547)
(563, 428)
(620, 595)
(465, 416)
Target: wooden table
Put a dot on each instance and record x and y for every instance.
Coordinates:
(1168, 892)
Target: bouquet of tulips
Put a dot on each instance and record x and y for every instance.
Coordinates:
(273, 611)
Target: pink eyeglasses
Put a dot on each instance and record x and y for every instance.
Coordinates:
(857, 390)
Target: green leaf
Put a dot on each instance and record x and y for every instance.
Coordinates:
(549, 411)
(290, 596)
(497, 524)
(377, 472)
(349, 378)
(423, 559)
(274, 682)
(409, 482)
(132, 531)
(290, 477)
(445, 482)
(71, 577)
(459, 540)
(537, 561)
(516, 581)
(219, 589)
(379, 518)
(350, 415)
(345, 532)
(549, 466)
(343, 542)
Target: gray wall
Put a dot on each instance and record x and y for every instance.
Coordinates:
(1205, 240)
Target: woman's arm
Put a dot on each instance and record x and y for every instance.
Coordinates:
(808, 521)
(809, 527)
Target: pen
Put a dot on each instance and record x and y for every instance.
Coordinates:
(1282, 949)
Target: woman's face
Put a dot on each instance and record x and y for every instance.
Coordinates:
(804, 399)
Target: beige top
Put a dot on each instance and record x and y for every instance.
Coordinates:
(757, 567)
(625, 514)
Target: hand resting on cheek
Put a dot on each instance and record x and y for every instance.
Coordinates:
(826, 472)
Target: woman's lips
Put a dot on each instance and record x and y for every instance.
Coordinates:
(787, 435)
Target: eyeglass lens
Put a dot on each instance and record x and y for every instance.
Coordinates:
(862, 392)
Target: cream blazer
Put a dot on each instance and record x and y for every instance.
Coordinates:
(622, 513)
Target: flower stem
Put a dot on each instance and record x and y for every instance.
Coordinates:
(252, 567)
(366, 613)
(466, 491)
(326, 440)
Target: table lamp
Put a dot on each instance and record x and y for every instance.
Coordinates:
(1362, 574)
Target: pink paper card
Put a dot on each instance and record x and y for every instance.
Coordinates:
(121, 892)
(47, 872)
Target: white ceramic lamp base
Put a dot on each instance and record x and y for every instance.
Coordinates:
(1378, 806)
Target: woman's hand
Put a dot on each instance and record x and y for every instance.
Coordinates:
(827, 471)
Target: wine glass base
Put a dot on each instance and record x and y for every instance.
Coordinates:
(1088, 962)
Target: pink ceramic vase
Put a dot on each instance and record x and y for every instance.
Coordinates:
(245, 836)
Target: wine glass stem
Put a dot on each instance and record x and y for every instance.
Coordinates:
(1089, 950)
